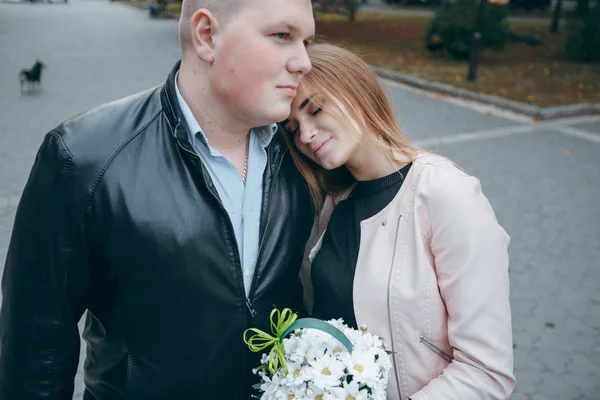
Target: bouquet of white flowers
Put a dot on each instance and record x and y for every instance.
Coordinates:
(321, 360)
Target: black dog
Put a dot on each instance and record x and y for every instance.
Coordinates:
(31, 78)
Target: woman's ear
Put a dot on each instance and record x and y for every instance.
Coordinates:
(203, 27)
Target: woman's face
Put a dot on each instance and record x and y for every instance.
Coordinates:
(318, 135)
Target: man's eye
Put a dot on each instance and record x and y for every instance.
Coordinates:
(315, 112)
(282, 35)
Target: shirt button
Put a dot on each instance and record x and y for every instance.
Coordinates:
(384, 223)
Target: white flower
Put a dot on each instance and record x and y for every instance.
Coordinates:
(378, 392)
(297, 351)
(350, 391)
(295, 393)
(369, 341)
(297, 375)
(326, 371)
(271, 387)
(362, 366)
(313, 392)
(265, 358)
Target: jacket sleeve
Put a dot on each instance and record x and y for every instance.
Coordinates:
(470, 253)
(43, 284)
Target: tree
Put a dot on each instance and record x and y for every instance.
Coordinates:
(584, 32)
(454, 25)
(351, 9)
(556, 16)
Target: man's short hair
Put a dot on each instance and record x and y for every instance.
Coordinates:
(223, 10)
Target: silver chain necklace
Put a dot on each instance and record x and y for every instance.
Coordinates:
(245, 171)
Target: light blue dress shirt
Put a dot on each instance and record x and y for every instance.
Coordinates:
(242, 203)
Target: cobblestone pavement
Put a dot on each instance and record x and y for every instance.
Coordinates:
(542, 179)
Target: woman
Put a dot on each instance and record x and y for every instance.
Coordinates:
(404, 243)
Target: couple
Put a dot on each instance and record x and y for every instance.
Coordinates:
(180, 216)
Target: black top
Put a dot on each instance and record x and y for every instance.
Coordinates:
(333, 268)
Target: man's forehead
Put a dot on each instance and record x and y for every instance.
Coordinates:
(297, 11)
(284, 3)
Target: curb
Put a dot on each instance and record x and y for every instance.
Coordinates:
(165, 16)
(546, 113)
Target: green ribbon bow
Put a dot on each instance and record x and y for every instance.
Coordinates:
(286, 322)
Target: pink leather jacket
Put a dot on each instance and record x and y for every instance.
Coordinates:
(432, 281)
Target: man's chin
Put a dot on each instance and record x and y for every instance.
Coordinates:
(276, 115)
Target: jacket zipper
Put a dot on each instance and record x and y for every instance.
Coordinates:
(262, 240)
(260, 246)
(216, 197)
(436, 350)
(397, 374)
(249, 305)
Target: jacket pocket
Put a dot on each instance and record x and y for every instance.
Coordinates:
(435, 349)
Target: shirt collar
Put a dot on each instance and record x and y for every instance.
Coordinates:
(264, 133)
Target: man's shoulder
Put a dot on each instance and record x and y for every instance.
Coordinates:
(103, 130)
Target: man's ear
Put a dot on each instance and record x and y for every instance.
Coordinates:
(203, 27)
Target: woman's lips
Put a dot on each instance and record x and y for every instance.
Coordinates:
(321, 146)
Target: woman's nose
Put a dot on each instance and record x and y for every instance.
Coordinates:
(307, 134)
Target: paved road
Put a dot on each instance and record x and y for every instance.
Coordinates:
(542, 179)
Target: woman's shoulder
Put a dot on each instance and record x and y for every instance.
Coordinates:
(434, 174)
(436, 170)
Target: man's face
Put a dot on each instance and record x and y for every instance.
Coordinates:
(260, 57)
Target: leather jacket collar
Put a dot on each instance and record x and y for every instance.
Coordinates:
(168, 97)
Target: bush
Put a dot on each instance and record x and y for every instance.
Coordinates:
(453, 26)
(583, 35)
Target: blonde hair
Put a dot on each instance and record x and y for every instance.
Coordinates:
(345, 87)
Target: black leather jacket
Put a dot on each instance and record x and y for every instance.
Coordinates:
(120, 218)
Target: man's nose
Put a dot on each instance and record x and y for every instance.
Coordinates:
(299, 63)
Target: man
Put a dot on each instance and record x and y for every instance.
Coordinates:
(174, 216)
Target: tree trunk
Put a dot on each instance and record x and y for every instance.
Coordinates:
(351, 7)
(556, 16)
(352, 14)
(583, 6)
(476, 43)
